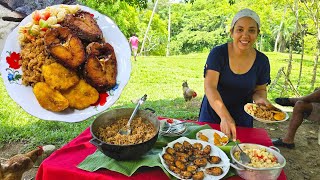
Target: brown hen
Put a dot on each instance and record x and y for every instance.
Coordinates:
(14, 167)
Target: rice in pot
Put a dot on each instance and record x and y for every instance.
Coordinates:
(141, 131)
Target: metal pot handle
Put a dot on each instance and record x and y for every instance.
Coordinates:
(236, 167)
(151, 110)
(275, 148)
(95, 142)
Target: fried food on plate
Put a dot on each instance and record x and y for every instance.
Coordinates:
(279, 116)
(49, 98)
(84, 26)
(101, 66)
(65, 47)
(58, 77)
(81, 95)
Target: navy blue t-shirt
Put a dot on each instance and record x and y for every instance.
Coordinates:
(235, 89)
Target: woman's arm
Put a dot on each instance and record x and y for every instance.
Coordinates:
(227, 124)
(260, 95)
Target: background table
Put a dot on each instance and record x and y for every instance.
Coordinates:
(62, 164)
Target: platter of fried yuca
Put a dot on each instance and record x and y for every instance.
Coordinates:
(186, 158)
(68, 84)
(265, 114)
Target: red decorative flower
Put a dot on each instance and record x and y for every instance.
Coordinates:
(102, 99)
(14, 60)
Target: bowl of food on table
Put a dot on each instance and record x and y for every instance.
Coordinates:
(265, 162)
(106, 137)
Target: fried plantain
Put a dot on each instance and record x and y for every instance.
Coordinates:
(49, 98)
(65, 47)
(100, 68)
(58, 77)
(81, 95)
(84, 26)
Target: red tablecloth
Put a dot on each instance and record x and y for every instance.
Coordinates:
(62, 164)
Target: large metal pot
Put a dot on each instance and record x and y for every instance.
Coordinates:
(123, 152)
(251, 173)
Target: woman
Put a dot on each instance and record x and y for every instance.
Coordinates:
(235, 74)
(134, 45)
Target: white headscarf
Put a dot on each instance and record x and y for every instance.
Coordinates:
(246, 13)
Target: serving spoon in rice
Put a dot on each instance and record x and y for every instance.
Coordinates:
(126, 130)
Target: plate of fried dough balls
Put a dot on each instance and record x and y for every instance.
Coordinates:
(187, 158)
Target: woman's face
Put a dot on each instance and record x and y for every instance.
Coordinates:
(245, 33)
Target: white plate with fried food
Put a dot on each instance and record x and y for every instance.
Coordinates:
(265, 114)
(187, 158)
(213, 136)
(71, 98)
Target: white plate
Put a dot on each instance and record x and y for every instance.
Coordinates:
(264, 120)
(215, 151)
(209, 133)
(24, 96)
(178, 130)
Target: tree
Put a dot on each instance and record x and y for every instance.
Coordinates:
(312, 9)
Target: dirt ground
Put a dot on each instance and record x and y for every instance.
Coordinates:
(302, 162)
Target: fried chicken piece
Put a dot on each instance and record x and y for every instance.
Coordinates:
(81, 95)
(49, 98)
(84, 26)
(65, 47)
(58, 77)
(100, 68)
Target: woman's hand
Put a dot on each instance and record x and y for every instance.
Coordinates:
(228, 127)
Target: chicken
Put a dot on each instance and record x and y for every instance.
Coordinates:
(188, 93)
(14, 167)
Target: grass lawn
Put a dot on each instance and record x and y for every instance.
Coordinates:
(158, 77)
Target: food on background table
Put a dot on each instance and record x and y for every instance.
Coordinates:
(49, 98)
(59, 35)
(186, 160)
(264, 112)
(141, 131)
(260, 158)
